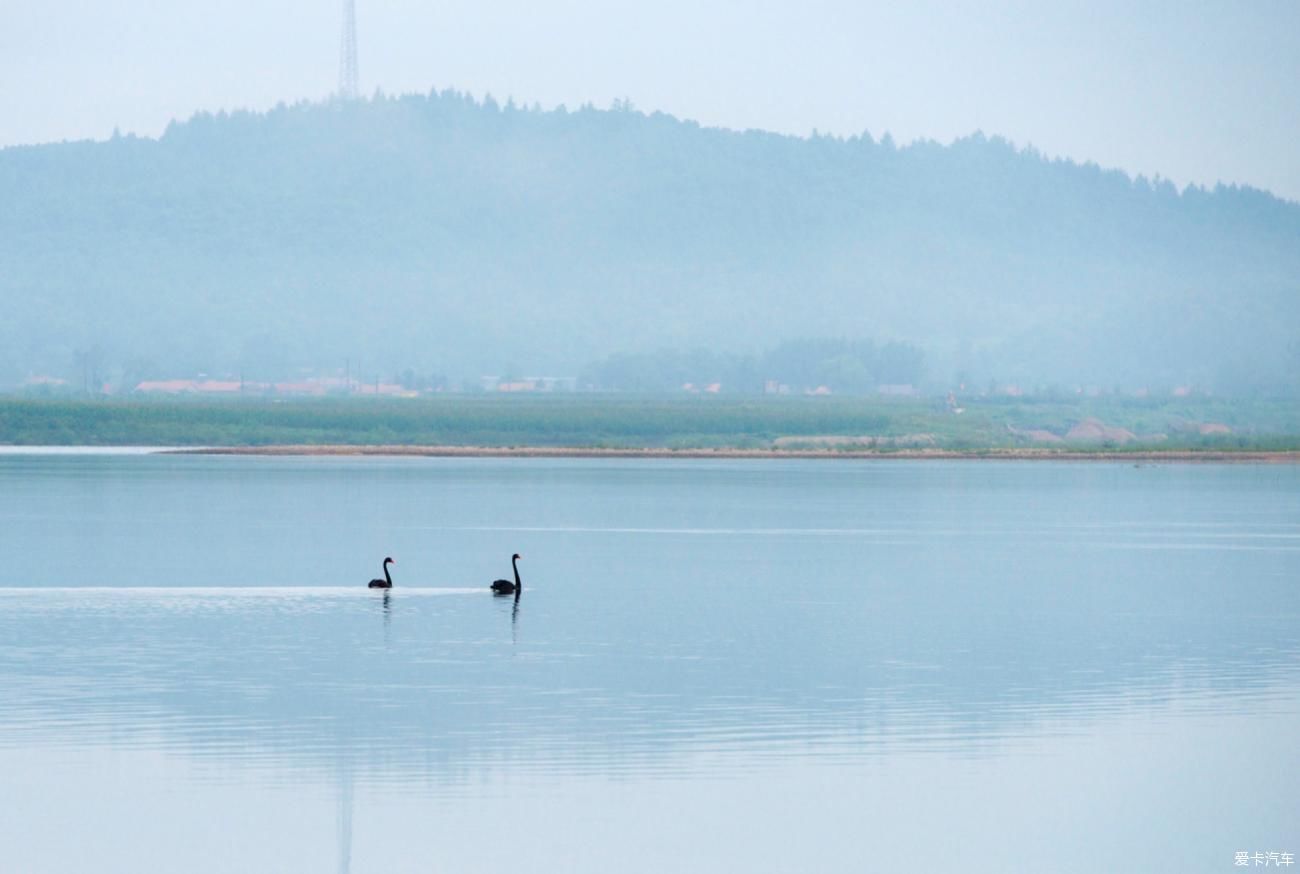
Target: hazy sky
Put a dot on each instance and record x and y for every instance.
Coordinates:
(1195, 92)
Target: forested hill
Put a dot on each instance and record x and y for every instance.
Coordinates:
(444, 234)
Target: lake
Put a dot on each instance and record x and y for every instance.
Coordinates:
(757, 666)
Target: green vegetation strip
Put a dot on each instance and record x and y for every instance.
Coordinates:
(625, 422)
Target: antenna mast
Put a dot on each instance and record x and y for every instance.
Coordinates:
(349, 81)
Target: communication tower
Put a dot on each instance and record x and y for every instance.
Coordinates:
(349, 81)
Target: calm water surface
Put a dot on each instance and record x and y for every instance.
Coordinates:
(715, 666)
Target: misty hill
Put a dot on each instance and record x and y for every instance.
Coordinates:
(448, 235)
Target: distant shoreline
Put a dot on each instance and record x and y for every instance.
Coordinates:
(1022, 454)
(609, 426)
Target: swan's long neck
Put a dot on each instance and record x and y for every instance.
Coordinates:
(514, 563)
(386, 576)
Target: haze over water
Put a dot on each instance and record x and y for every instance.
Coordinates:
(732, 665)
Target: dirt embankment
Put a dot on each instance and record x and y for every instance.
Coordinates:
(1092, 432)
(1021, 454)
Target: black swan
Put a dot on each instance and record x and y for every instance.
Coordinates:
(505, 587)
(387, 581)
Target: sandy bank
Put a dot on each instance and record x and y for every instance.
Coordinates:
(577, 452)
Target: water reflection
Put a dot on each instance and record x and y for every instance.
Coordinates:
(346, 802)
(514, 620)
(292, 676)
(388, 616)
